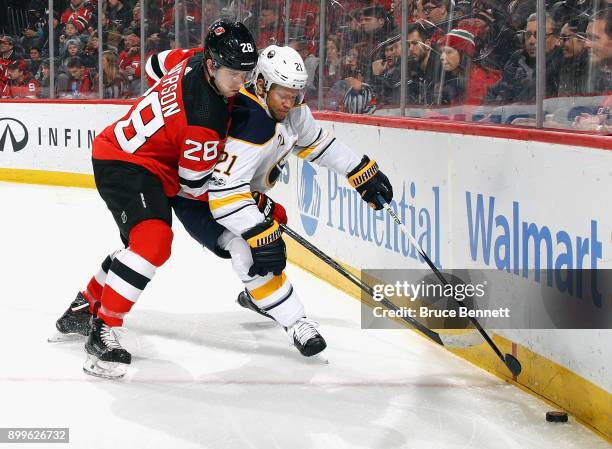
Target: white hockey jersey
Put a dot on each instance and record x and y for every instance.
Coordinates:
(256, 150)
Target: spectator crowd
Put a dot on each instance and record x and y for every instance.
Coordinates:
(459, 53)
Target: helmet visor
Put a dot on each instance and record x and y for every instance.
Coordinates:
(232, 79)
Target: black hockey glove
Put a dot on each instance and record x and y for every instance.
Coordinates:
(267, 248)
(370, 182)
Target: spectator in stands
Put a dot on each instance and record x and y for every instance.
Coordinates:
(35, 60)
(78, 12)
(423, 63)
(493, 35)
(270, 27)
(89, 56)
(574, 68)
(332, 68)
(463, 80)
(57, 33)
(119, 13)
(30, 38)
(463, 8)
(415, 11)
(129, 60)
(114, 84)
(436, 11)
(520, 10)
(386, 75)
(360, 97)
(310, 61)
(72, 49)
(43, 78)
(518, 83)
(80, 84)
(70, 33)
(20, 83)
(353, 61)
(375, 26)
(599, 45)
(566, 10)
(8, 55)
(113, 41)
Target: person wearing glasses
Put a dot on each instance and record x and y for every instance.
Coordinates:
(574, 68)
(518, 83)
(435, 11)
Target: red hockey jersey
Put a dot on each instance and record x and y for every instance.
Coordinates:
(79, 15)
(176, 130)
(29, 88)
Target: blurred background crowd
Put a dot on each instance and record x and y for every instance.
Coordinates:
(464, 59)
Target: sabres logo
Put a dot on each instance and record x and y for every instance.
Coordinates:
(219, 31)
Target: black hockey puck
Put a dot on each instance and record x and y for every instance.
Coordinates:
(556, 416)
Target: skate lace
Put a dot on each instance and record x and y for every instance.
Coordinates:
(304, 329)
(109, 337)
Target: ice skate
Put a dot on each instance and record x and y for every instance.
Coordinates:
(305, 337)
(105, 355)
(73, 325)
(244, 300)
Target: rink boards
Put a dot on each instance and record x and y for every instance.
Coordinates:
(463, 189)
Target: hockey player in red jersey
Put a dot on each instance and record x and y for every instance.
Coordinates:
(169, 141)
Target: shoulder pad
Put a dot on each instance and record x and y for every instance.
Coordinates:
(203, 107)
(250, 121)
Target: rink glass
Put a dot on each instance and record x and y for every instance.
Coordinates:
(362, 57)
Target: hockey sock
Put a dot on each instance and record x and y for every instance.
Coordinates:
(93, 292)
(132, 268)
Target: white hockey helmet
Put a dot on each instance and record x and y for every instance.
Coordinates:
(283, 66)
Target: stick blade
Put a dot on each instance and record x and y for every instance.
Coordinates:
(513, 364)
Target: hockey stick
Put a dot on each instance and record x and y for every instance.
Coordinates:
(452, 341)
(509, 360)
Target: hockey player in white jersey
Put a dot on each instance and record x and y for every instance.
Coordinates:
(269, 124)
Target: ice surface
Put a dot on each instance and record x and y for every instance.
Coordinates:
(208, 374)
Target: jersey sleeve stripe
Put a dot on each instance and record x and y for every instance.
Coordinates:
(318, 139)
(227, 200)
(323, 150)
(195, 184)
(221, 217)
(229, 188)
(193, 175)
(155, 66)
(303, 154)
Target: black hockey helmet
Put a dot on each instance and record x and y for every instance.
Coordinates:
(230, 44)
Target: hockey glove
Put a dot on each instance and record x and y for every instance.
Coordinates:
(267, 248)
(270, 208)
(370, 182)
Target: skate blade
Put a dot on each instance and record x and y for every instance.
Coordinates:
(106, 370)
(58, 337)
(321, 358)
